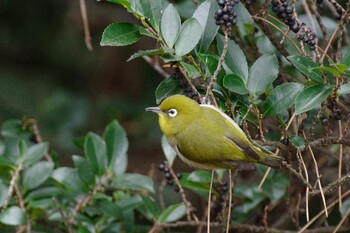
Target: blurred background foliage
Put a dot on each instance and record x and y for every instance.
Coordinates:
(47, 73)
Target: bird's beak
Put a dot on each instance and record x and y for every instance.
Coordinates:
(154, 109)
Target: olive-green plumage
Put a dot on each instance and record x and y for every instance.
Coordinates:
(206, 138)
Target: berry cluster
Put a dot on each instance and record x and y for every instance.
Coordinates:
(188, 91)
(307, 36)
(336, 113)
(216, 208)
(286, 12)
(164, 167)
(226, 14)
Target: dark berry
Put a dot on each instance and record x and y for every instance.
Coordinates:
(274, 2)
(285, 141)
(176, 189)
(289, 10)
(295, 27)
(275, 9)
(161, 167)
(319, 1)
(221, 2)
(324, 121)
(170, 182)
(178, 175)
(167, 175)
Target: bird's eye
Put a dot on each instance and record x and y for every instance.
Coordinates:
(172, 112)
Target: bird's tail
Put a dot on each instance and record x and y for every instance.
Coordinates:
(270, 159)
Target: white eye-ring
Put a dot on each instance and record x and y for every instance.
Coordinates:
(172, 112)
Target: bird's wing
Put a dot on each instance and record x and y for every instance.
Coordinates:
(233, 132)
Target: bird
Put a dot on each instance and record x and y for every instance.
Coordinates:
(206, 138)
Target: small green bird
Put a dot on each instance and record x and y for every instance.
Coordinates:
(206, 138)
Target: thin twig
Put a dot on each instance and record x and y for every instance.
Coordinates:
(155, 66)
(209, 200)
(321, 213)
(340, 163)
(63, 216)
(189, 208)
(218, 68)
(13, 182)
(85, 24)
(329, 44)
(307, 187)
(341, 221)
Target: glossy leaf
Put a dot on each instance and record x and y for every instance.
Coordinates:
(235, 59)
(172, 213)
(124, 3)
(305, 65)
(344, 89)
(37, 174)
(345, 207)
(201, 187)
(134, 182)
(69, 178)
(117, 146)
(169, 152)
(146, 52)
(120, 34)
(210, 62)
(191, 32)
(152, 10)
(149, 208)
(3, 192)
(281, 98)
(328, 69)
(22, 148)
(200, 176)
(167, 88)
(35, 153)
(170, 25)
(84, 170)
(95, 150)
(298, 142)
(11, 128)
(191, 71)
(346, 58)
(235, 84)
(12, 216)
(311, 97)
(205, 14)
(262, 73)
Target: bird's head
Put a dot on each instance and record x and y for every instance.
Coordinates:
(176, 113)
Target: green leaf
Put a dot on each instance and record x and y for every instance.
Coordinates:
(37, 174)
(170, 25)
(134, 182)
(262, 73)
(95, 150)
(3, 192)
(344, 89)
(172, 213)
(169, 152)
(109, 208)
(13, 216)
(84, 170)
(149, 208)
(120, 34)
(311, 97)
(190, 34)
(202, 187)
(69, 178)
(167, 88)
(191, 71)
(210, 62)
(124, 3)
(281, 98)
(152, 10)
(298, 142)
(11, 128)
(200, 176)
(117, 146)
(22, 148)
(346, 58)
(345, 207)
(204, 15)
(235, 59)
(35, 153)
(276, 187)
(305, 65)
(328, 69)
(235, 84)
(146, 52)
